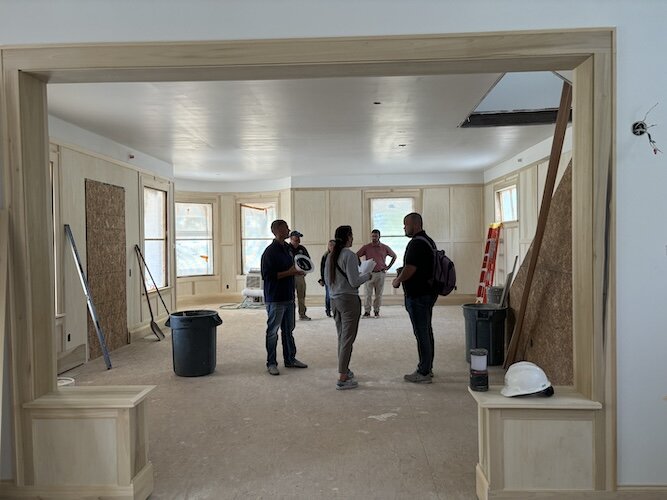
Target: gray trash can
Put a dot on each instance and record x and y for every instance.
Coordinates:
(193, 341)
(485, 329)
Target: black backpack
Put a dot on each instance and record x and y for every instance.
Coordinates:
(444, 272)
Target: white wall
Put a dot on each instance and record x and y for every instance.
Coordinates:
(66, 134)
(641, 176)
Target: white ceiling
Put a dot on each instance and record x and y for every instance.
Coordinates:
(251, 130)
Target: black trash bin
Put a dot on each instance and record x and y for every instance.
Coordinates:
(193, 341)
(485, 329)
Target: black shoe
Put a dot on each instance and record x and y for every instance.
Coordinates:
(296, 364)
(329, 313)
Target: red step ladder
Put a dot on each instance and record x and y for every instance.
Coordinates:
(489, 261)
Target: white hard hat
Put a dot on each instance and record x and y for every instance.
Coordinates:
(303, 263)
(524, 378)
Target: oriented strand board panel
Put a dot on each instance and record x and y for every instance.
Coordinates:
(548, 316)
(106, 264)
(346, 209)
(466, 214)
(436, 213)
(309, 216)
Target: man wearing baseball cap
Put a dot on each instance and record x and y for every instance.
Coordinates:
(296, 248)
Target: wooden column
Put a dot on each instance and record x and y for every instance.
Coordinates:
(31, 317)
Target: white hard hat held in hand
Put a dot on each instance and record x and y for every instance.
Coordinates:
(525, 378)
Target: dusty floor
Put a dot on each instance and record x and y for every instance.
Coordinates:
(241, 433)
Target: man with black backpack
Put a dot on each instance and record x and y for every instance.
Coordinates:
(416, 275)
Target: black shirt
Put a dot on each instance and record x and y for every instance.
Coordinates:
(300, 250)
(276, 259)
(419, 253)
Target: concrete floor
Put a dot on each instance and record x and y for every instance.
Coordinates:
(241, 433)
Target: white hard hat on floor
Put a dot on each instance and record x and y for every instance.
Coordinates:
(525, 378)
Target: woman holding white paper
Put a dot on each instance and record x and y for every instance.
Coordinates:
(342, 276)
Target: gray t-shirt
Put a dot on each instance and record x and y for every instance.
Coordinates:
(348, 262)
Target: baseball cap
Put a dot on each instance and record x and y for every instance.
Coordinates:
(295, 233)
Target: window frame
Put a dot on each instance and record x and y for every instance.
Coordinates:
(214, 232)
(497, 201)
(151, 182)
(413, 194)
(248, 202)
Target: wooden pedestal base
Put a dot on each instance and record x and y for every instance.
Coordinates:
(88, 442)
(531, 445)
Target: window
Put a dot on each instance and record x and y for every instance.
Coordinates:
(256, 219)
(387, 216)
(506, 204)
(194, 239)
(155, 236)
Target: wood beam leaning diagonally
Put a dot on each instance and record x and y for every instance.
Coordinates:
(520, 340)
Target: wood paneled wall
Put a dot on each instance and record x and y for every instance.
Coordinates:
(516, 237)
(77, 166)
(452, 216)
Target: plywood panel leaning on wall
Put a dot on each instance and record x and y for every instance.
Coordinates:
(106, 263)
(549, 310)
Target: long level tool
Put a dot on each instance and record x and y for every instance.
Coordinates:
(89, 297)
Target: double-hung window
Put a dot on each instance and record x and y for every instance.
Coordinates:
(387, 216)
(194, 239)
(155, 236)
(256, 219)
(506, 204)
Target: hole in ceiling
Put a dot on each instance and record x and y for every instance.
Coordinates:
(530, 98)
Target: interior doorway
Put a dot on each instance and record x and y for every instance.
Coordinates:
(25, 148)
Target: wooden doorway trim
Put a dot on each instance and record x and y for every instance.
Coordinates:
(24, 150)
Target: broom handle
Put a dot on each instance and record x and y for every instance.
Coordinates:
(141, 256)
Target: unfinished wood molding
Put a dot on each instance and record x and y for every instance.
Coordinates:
(4, 297)
(25, 153)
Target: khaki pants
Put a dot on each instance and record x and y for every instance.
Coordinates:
(376, 283)
(300, 283)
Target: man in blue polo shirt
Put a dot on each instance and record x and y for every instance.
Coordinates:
(278, 271)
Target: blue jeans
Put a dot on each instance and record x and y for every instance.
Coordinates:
(281, 315)
(420, 310)
(327, 299)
